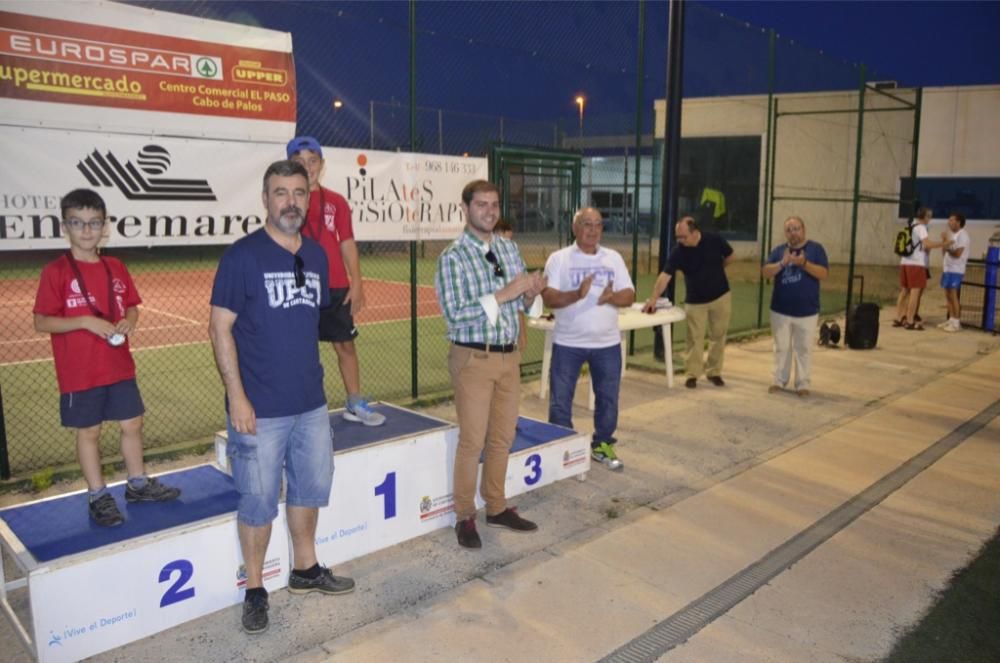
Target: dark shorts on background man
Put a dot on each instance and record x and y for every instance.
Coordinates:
(120, 401)
(912, 277)
(336, 322)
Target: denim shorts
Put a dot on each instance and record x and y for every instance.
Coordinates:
(951, 280)
(301, 444)
(120, 401)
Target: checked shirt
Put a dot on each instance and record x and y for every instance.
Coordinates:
(465, 283)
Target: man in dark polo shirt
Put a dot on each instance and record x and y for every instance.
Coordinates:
(703, 257)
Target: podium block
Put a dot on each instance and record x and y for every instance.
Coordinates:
(91, 589)
(393, 482)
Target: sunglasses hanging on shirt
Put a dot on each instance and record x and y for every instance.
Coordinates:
(300, 276)
(117, 338)
(493, 260)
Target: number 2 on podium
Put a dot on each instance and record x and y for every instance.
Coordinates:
(175, 593)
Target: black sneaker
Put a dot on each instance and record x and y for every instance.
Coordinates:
(508, 518)
(153, 491)
(325, 582)
(467, 535)
(691, 383)
(104, 511)
(255, 609)
(717, 380)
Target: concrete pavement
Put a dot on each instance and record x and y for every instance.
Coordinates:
(846, 600)
(716, 480)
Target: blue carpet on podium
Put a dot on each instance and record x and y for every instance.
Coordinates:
(398, 423)
(531, 433)
(61, 526)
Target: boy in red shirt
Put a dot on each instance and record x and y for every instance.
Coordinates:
(88, 304)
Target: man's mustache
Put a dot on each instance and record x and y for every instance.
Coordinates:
(291, 209)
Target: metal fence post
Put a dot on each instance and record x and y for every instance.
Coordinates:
(4, 456)
(639, 73)
(414, 389)
(768, 184)
(862, 82)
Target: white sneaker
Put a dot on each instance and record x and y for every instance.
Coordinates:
(945, 324)
(953, 326)
(361, 412)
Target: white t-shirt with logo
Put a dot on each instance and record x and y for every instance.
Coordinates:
(957, 265)
(919, 257)
(584, 324)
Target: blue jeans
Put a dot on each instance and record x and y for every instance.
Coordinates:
(606, 374)
(299, 444)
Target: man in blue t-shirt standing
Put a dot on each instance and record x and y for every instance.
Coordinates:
(703, 257)
(264, 325)
(797, 267)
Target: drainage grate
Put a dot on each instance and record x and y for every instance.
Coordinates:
(698, 614)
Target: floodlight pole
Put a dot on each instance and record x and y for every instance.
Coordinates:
(670, 173)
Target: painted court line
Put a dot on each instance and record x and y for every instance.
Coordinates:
(178, 345)
(143, 307)
(692, 618)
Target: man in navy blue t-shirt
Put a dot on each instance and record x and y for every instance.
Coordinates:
(266, 299)
(703, 257)
(797, 267)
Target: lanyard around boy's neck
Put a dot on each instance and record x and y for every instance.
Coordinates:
(86, 293)
(306, 228)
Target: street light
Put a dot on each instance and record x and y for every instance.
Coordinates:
(337, 104)
(580, 101)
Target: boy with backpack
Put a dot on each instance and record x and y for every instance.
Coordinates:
(913, 247)
(88, 303)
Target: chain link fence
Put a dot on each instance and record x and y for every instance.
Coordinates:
(500, 74)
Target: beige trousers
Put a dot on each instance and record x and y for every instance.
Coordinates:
(713, 316)
(487, 394)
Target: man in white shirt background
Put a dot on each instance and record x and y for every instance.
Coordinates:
(956, 255)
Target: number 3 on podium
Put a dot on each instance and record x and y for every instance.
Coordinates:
(533, 463)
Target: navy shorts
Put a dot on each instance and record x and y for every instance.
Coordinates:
(335, 322)
(113, 402)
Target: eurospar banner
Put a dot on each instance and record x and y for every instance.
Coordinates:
(173, 120)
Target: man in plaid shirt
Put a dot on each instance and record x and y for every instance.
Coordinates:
(482, 284)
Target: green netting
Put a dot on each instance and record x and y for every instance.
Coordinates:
(501, 75)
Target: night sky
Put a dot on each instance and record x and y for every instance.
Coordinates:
(916, 43)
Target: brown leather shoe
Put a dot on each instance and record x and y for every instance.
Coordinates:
(691, 383)
(508, 518)
(717, 380)
(467, 535)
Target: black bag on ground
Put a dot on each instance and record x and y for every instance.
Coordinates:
(862, 322)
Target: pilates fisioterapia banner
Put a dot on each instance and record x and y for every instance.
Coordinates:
(167, 191)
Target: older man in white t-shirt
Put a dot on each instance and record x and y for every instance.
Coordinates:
(956, 255)
(587, 283)
(913, 271)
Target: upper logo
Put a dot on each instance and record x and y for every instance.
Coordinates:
(139, 182)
